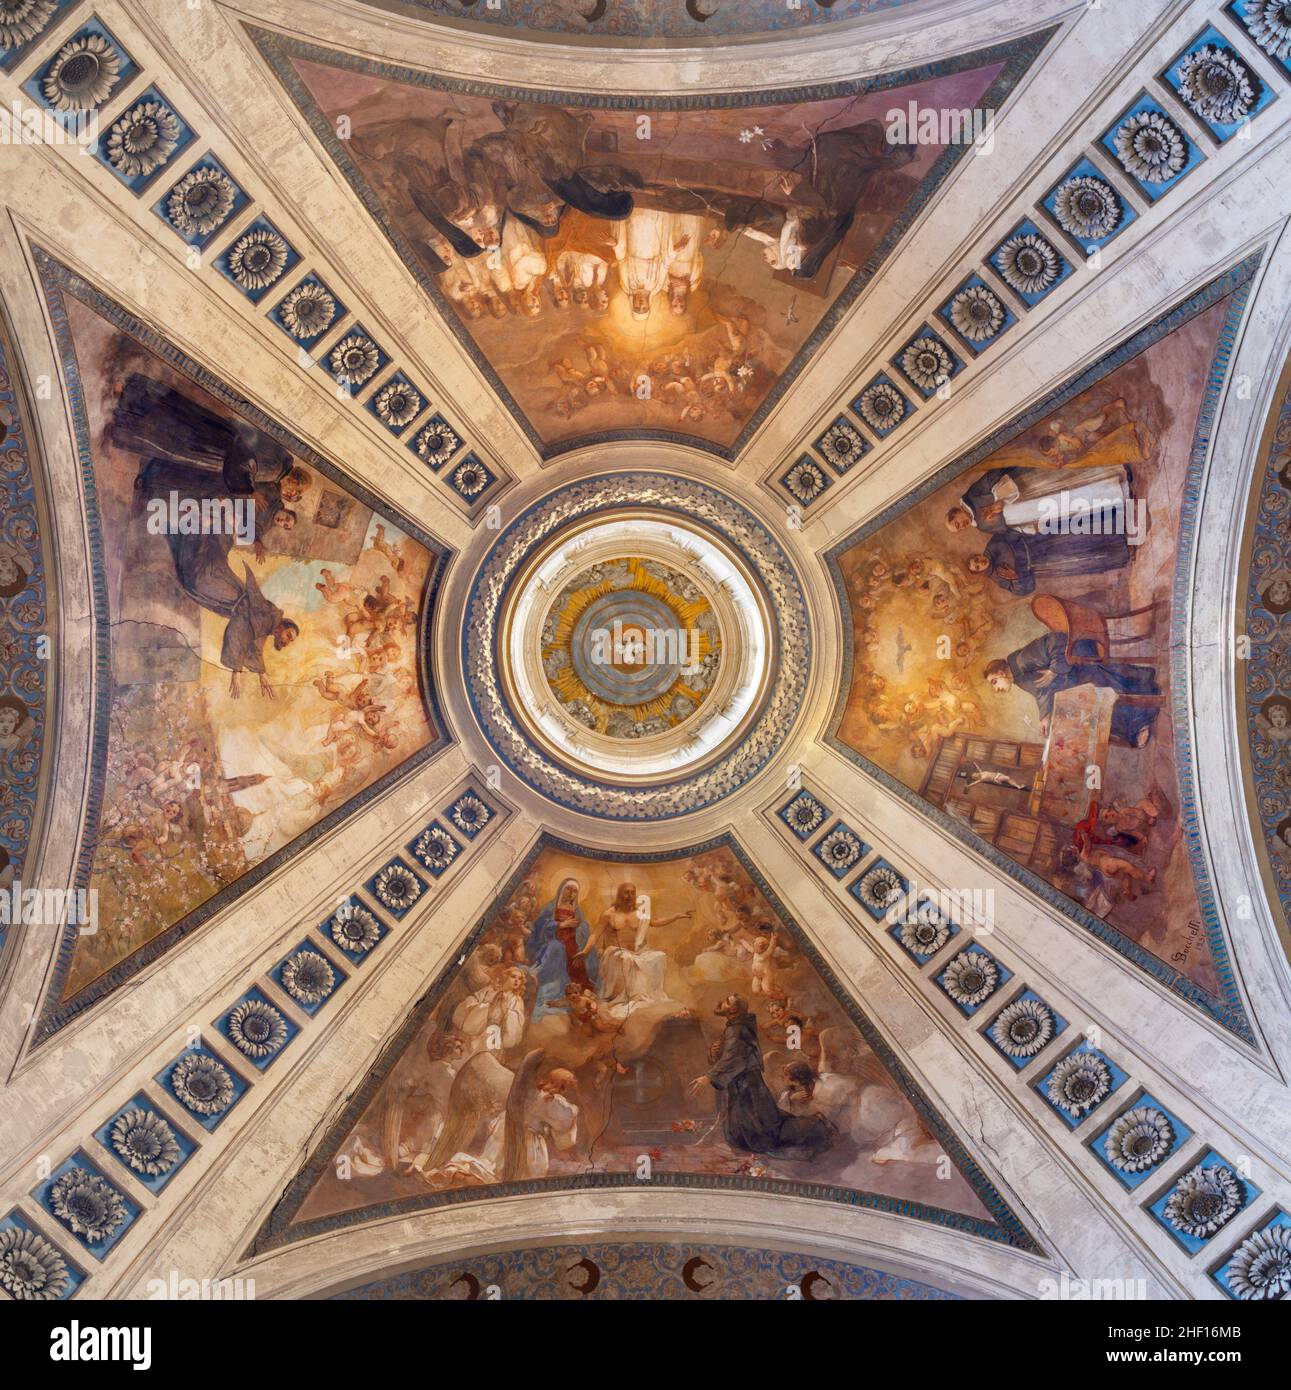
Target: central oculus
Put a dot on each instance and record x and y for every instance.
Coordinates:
(636, 646)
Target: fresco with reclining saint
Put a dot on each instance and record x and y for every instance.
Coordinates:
(632, 268)
(260, 627)
(618, 1017)
(1012, 635)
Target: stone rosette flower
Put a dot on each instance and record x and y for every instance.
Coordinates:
(1269, 24)
(201, 201)
(257, 1029)
(1079, 1082)
(470, 814)
(397, 404)
(976, 313)
(880, 888)
(1023, 1029)
(308, 977)
(841, 446)
(21, 20)
(926, 931)
(258, 259)
(1087, 207)
(202, 1084)
(927, 363)
(307, 311)
(31, 1269)
(397, 887)
(142, 140)
(87, 1204)
(1260, 1268)
(805, 481)
(1217, 85)
(1139, 1139)
(840, 849)
(804, 815)
(1028, 264)
(470, 478)
(1203, 1200)
(144, 1141)
(82, 74)
(881, 406)
(355, 928)
(436, 443)
(1151, 147)
(971, 977)
(436, 848)
(354, 359)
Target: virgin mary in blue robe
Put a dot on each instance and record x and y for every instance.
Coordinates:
(560, 933)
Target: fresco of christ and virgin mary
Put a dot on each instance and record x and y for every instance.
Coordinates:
(607, 1011)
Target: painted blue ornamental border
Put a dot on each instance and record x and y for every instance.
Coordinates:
(24, 621)
(1268, 668)
(278, 1230)
(58, 280)
(643, 1269)
(1226, 1007)
(278, 50)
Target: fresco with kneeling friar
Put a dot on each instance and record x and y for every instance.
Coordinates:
(260, 627)
(624, 1019)
(1013, 629)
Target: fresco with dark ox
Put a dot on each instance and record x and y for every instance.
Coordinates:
(258, 633)
(640, 268)
(625, 1020)
(1014, 635)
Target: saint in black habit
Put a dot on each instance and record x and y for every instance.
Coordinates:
(751, 1120)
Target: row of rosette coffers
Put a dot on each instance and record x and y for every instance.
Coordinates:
(1188, 1188)
(101, 1190)
(1152, 146)
(142, 143)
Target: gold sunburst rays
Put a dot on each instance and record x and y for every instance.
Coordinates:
(688, 611)
(569, 690)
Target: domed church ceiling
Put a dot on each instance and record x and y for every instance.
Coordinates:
(643, 654)
(646, 268)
